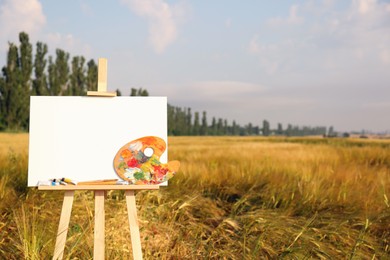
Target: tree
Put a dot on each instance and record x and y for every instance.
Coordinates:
(289, 130)
(204, 127)
(54, 89)
(279, 131)
(2, 103)
(249, 129)
(77, 77)
(59, 73)
(266, 128)
(9, 84)
(220, 127)
(92, 76)
(188, 122)
(40, 82)
(331, 132)
(196, 128)
(26, 64)
(15, 87)
(180, 118)
(214, 127)
(139, 92)
(235, 128)
(24, 81)
(171, 119)
(225, 127)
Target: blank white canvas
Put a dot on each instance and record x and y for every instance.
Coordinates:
(78, 137)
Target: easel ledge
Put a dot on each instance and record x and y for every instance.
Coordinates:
(100, 187)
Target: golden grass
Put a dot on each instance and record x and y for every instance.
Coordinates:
(13, 142)
(234, 197)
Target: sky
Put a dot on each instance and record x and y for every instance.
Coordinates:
(306, 63)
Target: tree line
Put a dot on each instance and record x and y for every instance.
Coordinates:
(26, 74)
(181, 121)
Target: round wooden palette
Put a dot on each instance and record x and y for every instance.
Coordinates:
(138, 162)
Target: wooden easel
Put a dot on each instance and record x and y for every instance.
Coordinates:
(100, 191)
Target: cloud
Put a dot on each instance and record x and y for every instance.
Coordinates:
(292, 19)
(225, 90)
(385, 55)
(221, 91)
(228, 23)
(340, 59)
(266, 54)
(348, 39)
(28, 16)
(20, 15)
(68, 43)
(365, 6)
(86, 9)
(377, 106)
(212, 93)
(162, 18)
(57, 38)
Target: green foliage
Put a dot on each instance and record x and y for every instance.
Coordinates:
(196, 127)
(92, 76)
(180, 123)
(203, 128)
(15, 85)
(40, 86)
(139, 92)
(77, 77)
(59, 73)
(266, 128)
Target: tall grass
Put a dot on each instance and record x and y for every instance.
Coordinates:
(234, 198)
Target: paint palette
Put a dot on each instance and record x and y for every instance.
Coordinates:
(138, 162)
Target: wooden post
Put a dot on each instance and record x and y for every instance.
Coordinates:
(98, 245)
(102, 75)
(133, 222)
(64, 224)
(102, 81)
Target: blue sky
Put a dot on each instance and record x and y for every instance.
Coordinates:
(308, 62)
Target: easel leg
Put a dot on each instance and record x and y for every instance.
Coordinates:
(98, 246)
(134, 228)
(64, 224)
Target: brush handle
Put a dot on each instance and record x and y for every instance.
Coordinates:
(98, 182)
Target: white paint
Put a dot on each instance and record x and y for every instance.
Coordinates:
(148, 151)
(78, 137)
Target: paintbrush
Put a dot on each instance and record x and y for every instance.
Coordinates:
(99, 182)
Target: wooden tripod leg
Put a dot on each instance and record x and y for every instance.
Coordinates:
(98, 246)
(133, 222)
(64, 224)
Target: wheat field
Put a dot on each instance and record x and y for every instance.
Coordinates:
(233, 198)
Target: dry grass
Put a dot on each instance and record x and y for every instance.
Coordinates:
(234, 198)
(13, 142)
